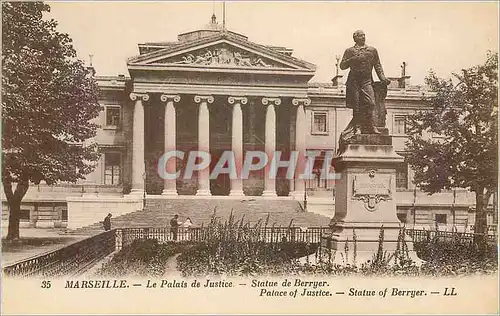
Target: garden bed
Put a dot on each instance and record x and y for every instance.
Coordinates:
(243, 258)
(142, 258)
(457, 258)
(232, 248)
(148, 258)
(441, 258)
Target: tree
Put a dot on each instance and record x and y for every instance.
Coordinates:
(48, 102)
(463, 112)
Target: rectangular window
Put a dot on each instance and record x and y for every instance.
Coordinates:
(64, 214)
(441, 218)
(402, 217)
(402, 176)
(320, 123)
(399, 125)
(112, 168)
(24, 215)
(113, 115)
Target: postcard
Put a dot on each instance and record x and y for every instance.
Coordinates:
(249, 157)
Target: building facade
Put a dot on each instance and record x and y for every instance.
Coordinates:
(213, 90)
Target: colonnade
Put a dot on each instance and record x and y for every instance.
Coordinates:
(203, 101)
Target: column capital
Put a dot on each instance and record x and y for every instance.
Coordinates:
(203, 98)
(170, 97)
(273, 101)
(241, 100)
(301, 101)
(134, 95)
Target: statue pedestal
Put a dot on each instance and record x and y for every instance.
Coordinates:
(364, 201)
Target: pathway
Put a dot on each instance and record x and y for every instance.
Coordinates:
(171, 267)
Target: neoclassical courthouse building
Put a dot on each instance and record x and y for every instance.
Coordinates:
(216, 90)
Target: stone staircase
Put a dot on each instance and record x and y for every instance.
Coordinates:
(158, 212)
(321, 206)
(320, 201)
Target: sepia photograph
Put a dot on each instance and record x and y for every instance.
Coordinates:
(249, 157)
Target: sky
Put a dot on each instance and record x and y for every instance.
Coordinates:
(444, 36)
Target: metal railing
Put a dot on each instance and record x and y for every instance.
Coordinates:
(80, 256)
(200, 234)
(69, 260)
(429, 235)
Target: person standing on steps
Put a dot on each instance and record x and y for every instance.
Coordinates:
(174, 226)
(107, 222)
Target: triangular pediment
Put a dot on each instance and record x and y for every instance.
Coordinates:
(221, 55)
(220, 52)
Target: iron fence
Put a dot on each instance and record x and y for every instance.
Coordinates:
(78, 257)
(200, 234)
(429, 235)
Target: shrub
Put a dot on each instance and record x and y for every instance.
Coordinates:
(456, 257)
(234, 248)
(142, 258)
(442, 258)
(237, 259)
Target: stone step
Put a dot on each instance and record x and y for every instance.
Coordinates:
(157, 213)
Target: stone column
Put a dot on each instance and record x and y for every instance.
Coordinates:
(203, 141)
(138, 164)
(270, 145)
(300, 146)
(237, 143)
(169, 185)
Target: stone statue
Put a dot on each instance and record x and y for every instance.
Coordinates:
(363, 96)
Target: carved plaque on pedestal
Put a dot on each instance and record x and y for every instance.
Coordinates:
(371, 188)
